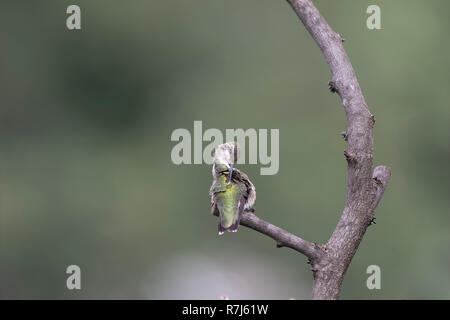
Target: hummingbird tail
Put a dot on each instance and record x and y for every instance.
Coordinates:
(233, 228)
(221, 229)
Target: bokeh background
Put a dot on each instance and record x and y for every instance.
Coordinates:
(85, 123)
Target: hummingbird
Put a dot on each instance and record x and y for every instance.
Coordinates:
(231, 192)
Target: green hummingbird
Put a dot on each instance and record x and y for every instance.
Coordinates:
(231, 192)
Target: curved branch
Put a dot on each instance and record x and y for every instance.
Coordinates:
(364, 185)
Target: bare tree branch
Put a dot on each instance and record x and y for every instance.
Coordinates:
(381, 176)
(282, 237)
(365, 186)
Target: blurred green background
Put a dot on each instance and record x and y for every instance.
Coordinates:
(85, 122)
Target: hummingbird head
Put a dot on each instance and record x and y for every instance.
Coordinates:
(226, 154)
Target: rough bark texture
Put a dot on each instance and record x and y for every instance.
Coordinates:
(365, 185)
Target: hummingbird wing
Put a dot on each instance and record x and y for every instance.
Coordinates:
(249, 192)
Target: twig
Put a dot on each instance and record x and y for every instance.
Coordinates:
(282, 237)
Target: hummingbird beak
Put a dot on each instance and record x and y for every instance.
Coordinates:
(230, 174)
